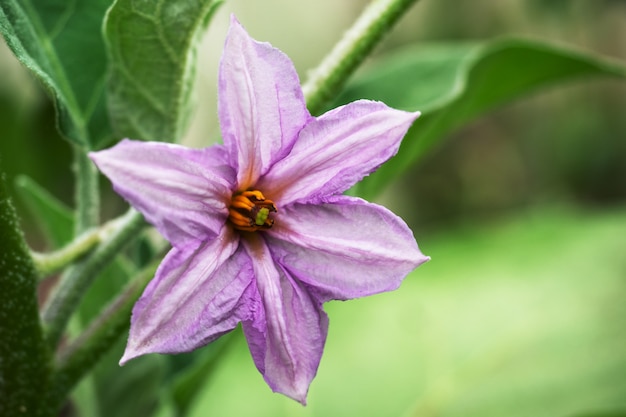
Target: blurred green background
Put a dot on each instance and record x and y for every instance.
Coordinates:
(521, 311)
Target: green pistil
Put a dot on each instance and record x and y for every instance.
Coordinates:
(261, 216)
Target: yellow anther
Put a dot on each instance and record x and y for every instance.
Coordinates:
(250, 211)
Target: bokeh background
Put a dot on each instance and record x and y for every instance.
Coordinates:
(521, 311)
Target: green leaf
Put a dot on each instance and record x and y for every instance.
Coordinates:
(55, 219)
(24, 357)
(152, 53)
(453, 83)
(61, 43)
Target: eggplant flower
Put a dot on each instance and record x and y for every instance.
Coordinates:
(260, 232)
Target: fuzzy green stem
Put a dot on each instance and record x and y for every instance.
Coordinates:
(87, 192)
(75, 360)
(49, 263)
(328, 78)
(77, 280)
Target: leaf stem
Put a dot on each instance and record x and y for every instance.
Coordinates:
(48, 263)
(82, 354)
(62, 303)
(328, 78)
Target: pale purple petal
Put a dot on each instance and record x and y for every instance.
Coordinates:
(337, 150)
(261, 107)
(183, 192)
(345, 249)
(198, 294)
(287, 342)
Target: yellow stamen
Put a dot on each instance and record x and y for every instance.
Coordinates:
(249, 211)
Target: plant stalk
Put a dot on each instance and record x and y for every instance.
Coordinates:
(328, 78)
(75, 360)
(87, 192)
(67, 295)
(49, 263)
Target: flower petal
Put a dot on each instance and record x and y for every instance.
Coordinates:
(346, 248)
(337, 150)
(261, 106)
(198, 294)
(287, 342)
(183, 192)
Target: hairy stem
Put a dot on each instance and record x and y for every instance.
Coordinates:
(77, 279)
(87, 192)
(327, 79)
(75, 360)
(48, 263)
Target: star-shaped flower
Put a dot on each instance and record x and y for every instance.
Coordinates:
(260, 232)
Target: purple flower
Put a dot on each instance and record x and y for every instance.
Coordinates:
(260, 232)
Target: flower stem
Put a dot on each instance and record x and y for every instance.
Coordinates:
(82, 354)
(48, 263)
(328, 78)
(87, 192)
(77, 279)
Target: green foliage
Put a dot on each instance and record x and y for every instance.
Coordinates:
(522, 318)
(453, 83)
(132, 390)
(170, 382)
(24, 365)
(526, 319)
(110, 383)
(188, 383)
(55, 219)
(57, 223)
(152, 56)
(61, 43)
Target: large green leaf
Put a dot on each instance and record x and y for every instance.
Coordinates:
(152, 54)
(453, 83)
(521, 318)
(61, 43)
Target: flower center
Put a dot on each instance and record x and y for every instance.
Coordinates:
(250, 211)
